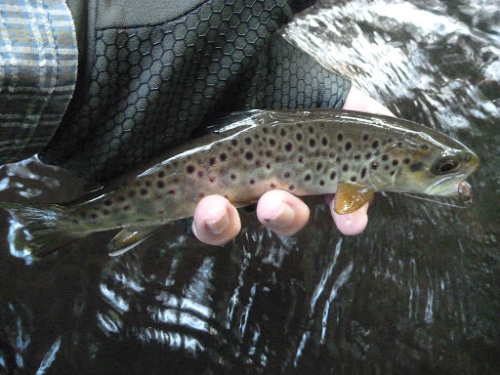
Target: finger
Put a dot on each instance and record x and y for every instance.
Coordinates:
(282, 212)
(358, 101)
(350, 224)
(216, 220)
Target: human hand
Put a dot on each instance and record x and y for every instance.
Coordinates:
(216, 220)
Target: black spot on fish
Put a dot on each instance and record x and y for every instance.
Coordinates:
(301, 159)
(406, 161)
(147, 183)
(120, 199)
(265, 130)
(311, 129)
(161, 174)
(340, 137)
(223, 157)
(332, 155)
(269, 154)
(233, 176)
(363, 173)
(172, 192)
(338, 160)
(353, 179)
(375, 144)
(298, 136)
(312, 142)
(333, 175)
(299, 124)
(288, 146)
(249, 155)
(272, 185)
(258, 163)
(287, 175)
(319, 166)
(248, 140)
(368, 155)
(256, 136)
(107, 202)
(272, 142)
(348, 146)
(291, 188)
(105, 212)
(212, 161)
(345, 167)
(131, 193)
(324, 141)
(395, 162)
(128, 207)
(160, 184)
(418, 166)
(424, 147)
(201, 174)
(307, 177)
(212, 179)
(252, 181)
(366, 137)
(234, 142)
(322, 183)
(385, 157)
(144, 192)
(268, 166)
(357, 157)
(283, 132)
(190, 169)
(375, 165)
(392, 173)
(400, 144)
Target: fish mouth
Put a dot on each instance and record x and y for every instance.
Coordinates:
(447, 187)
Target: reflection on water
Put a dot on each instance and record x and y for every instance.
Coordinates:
(418, 292)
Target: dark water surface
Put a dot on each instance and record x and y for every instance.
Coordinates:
(417, 293)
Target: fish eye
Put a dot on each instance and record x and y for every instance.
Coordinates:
(445, 166)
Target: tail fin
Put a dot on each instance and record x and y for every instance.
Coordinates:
(37, 230)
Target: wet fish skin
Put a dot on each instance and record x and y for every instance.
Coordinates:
(303, 152)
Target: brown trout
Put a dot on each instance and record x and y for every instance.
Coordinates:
(304, 152)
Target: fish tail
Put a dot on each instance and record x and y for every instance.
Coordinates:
(38, 230)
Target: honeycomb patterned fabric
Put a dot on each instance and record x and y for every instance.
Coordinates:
(149, 77)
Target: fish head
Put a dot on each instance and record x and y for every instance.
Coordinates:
(432, 164)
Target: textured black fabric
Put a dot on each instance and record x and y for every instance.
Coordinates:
(144, 89)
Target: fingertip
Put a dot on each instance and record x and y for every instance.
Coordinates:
(282, 212)
(215, 221)
(351, 224)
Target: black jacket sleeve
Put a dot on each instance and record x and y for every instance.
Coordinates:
(151, 74)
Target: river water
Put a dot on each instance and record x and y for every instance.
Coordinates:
(417, 293)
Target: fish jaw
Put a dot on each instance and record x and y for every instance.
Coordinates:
(452, 185)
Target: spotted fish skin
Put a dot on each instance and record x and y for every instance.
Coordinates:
(303, 152)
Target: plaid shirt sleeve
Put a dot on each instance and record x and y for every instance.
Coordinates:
(38, 67)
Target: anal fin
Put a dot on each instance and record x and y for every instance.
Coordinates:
(349, 198)
(128, 238)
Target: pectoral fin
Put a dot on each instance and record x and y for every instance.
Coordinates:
(349, 198)
(129, 238)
